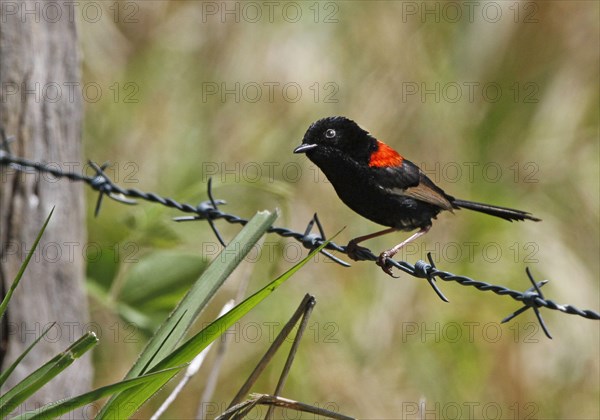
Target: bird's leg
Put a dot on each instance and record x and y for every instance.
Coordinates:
(381, 261)
(353, 247)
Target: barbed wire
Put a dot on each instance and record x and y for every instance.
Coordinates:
(209, 211)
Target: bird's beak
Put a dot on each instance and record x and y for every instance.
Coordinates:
(303, 148)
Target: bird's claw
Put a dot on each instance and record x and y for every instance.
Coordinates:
(382, 261)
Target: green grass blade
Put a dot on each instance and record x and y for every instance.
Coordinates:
(12, 367)
(173, 330)
(59, 408)
(170, 333)
(44, 374)
(186, 352)
(17, 279)
(128, 402)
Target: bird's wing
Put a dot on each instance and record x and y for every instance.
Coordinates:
(409, 181)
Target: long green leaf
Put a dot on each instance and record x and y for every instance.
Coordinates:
(177, 324)
(12, 367)
(131, 400)
(17, 279)
(186, 352)
(44, 374)
(59, 408)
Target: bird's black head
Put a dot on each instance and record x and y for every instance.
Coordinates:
(337, 137)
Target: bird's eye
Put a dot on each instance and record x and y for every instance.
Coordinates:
(330, 133)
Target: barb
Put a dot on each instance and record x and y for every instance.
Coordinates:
(530, 300)
(204, 208)
(209, 211)
(312, 241)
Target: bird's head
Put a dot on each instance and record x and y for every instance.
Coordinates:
(337, 136)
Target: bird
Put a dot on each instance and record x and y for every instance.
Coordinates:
(378, 183)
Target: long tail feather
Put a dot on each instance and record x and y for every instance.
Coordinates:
(502, 212)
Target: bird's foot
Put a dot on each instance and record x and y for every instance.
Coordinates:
(382, 261)
(353, 250)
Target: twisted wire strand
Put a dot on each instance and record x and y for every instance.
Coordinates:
(209, 211)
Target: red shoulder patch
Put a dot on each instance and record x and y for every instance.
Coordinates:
(385, 156)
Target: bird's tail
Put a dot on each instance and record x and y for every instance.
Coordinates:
(502, 212)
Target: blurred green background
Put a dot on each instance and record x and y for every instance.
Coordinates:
(497, 102)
